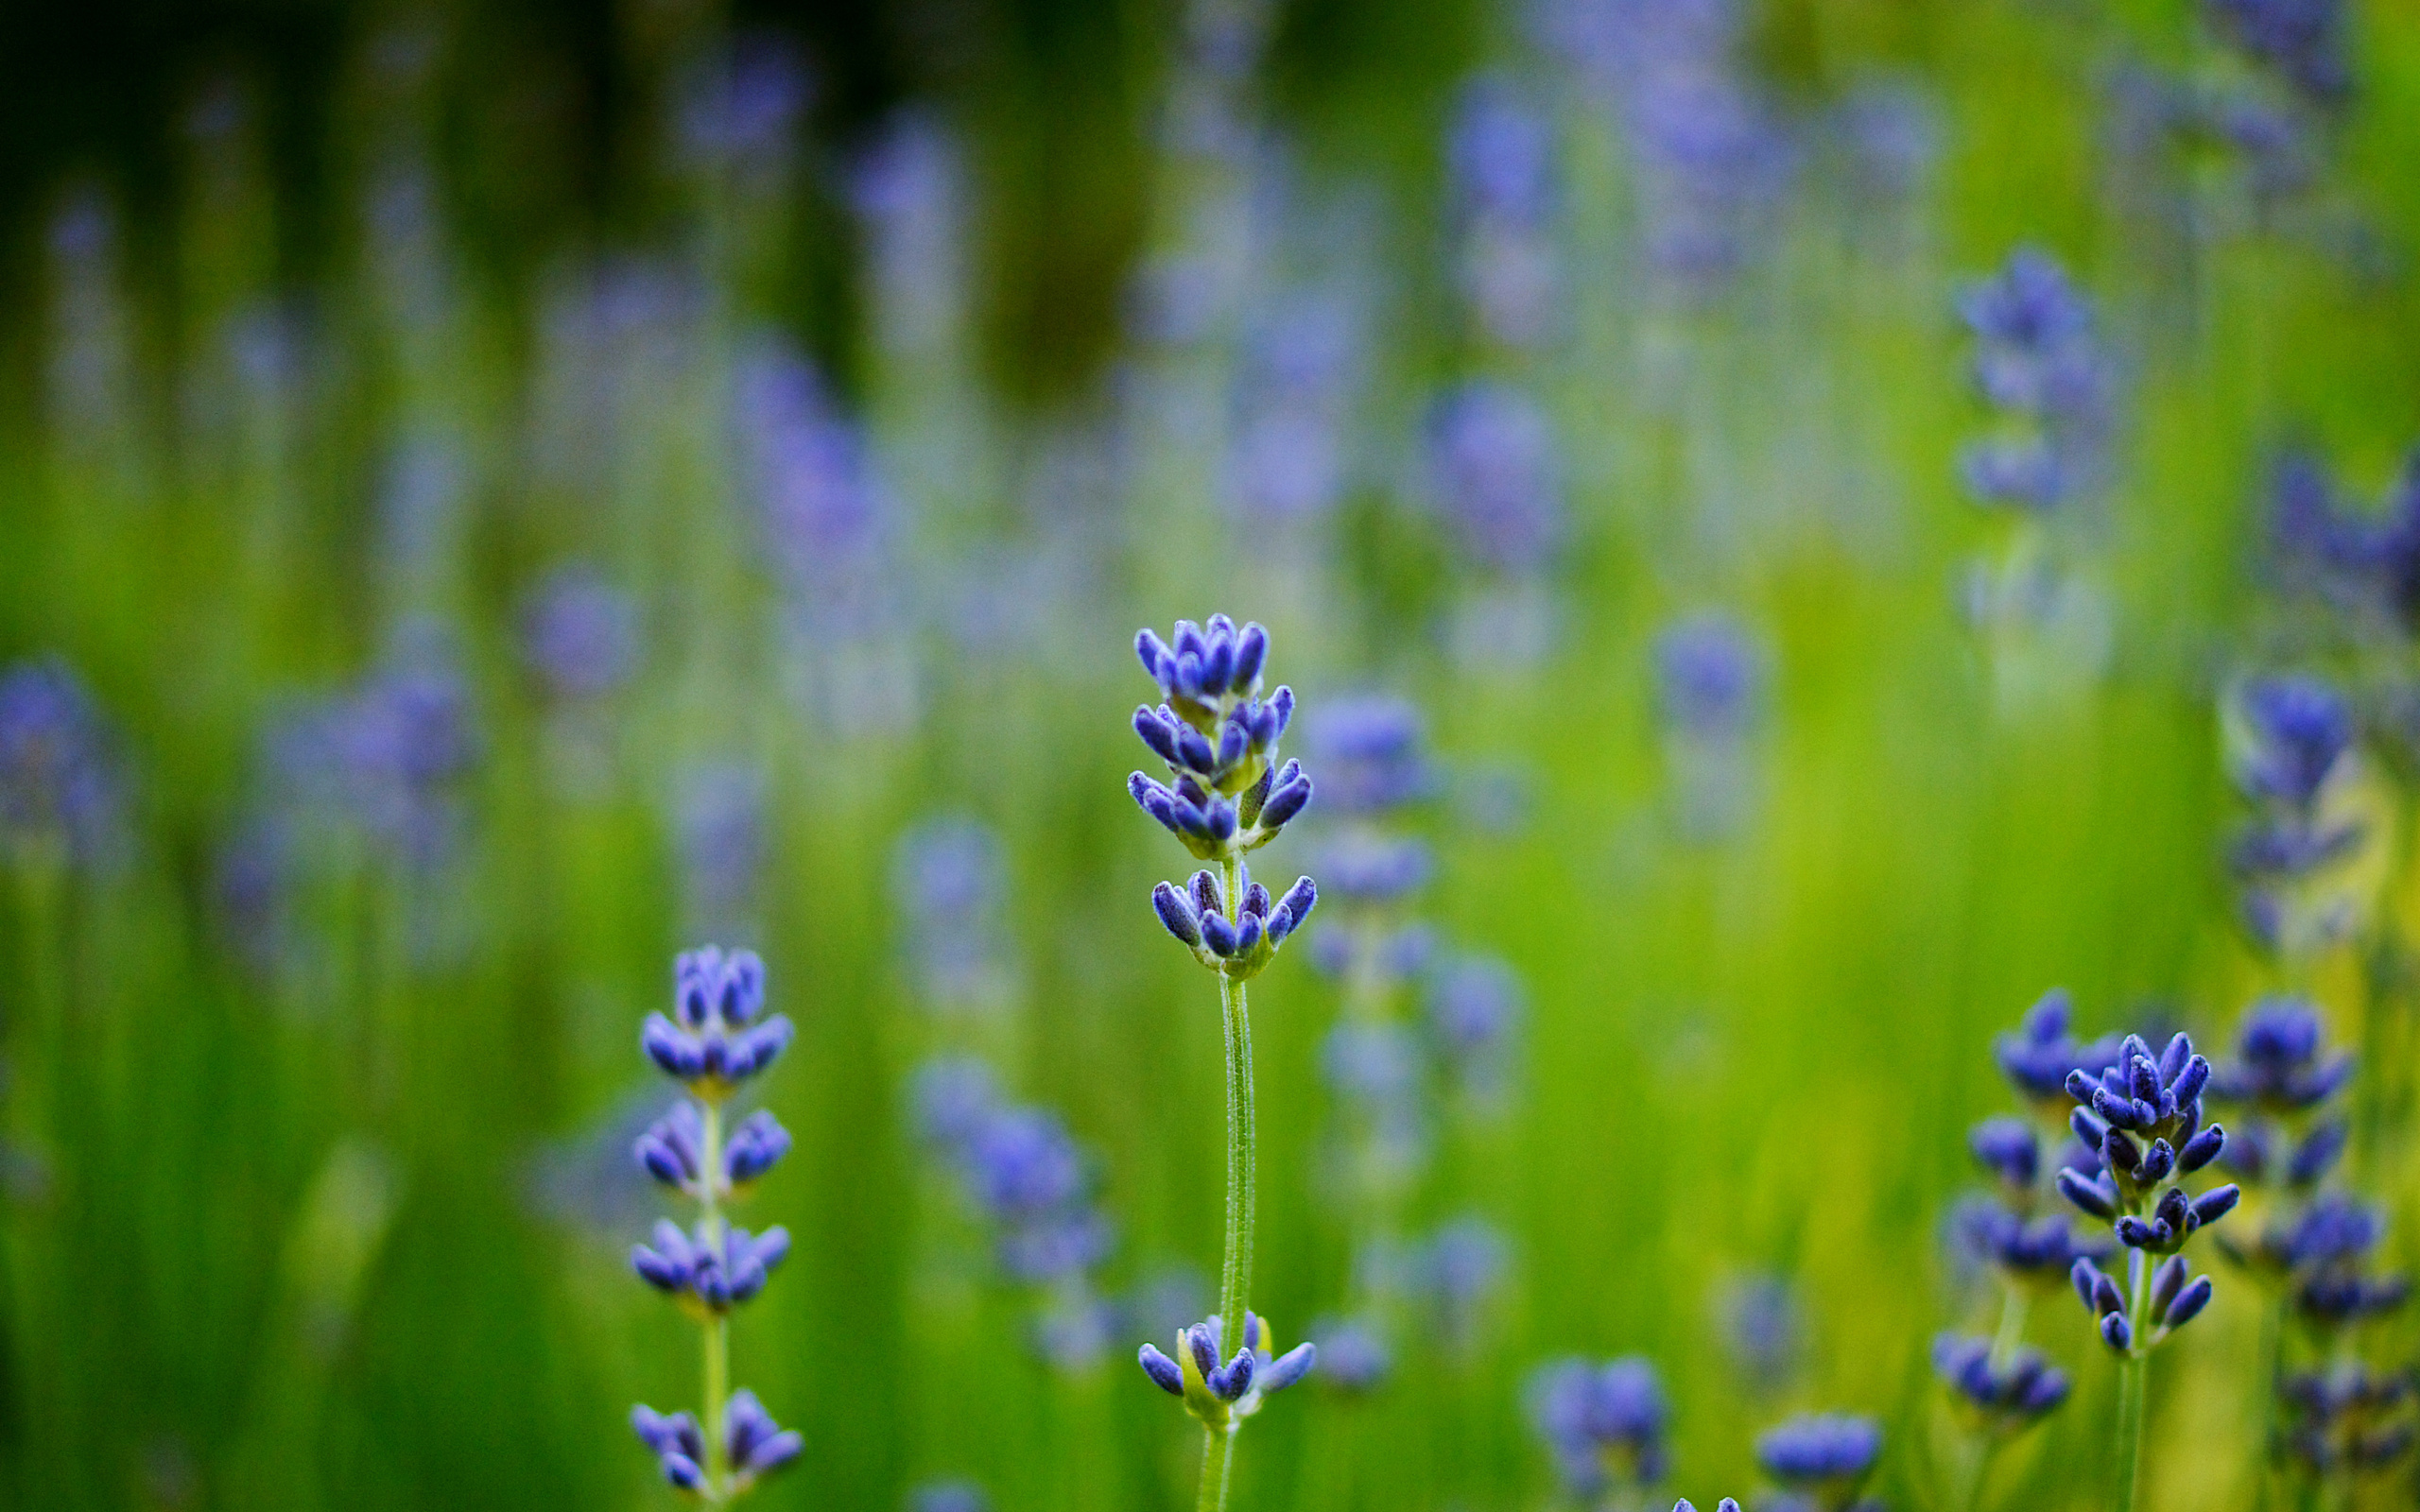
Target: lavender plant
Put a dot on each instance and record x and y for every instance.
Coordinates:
(1997, 1386)
(2041, 371)
(1033, 1184)
(1225, 796)
(2332, 1416)
(1819, 1462)
(1605, 1425)
(718, 1040)
(2142, 1117)
(2294, 735)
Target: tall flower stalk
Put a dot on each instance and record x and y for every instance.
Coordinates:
(720, 1040)
(2142, 1117)
(1225, 796)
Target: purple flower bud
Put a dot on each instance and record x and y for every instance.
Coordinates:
(1164, 1372)
(2200, 1149)
(1285, 802)
(1234, 739)
(2115, 1332)
(1218, 934)
(2085, 1193)
(1155, 655)
(2118, 1112)
(2188, 1303)
(1193, 749)
(2166, 1283)
(1207, 898)
(2191, 1079)
(1189, 819)
(1156, 733)
(2121, 1152)
(2171, 1060)
(1218, 666)
(1256, 901)
(1282, 703)
(2105, 1296)
(2083, 1276)
(2216, 1203)
(1231, 1384)
(1176, 914)
(2135, 1234)
(2157, 1162)
(1247, 935)
(1203, 1348)
(1251, 649)
(1288, 1368)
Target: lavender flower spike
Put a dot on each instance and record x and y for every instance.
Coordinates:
(717, 1036)
(1225, 794)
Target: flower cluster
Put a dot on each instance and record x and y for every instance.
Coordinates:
(2301, 41)
(1709, 676)
(1605, 1424)
(1240, 943)
(1496, 468)
(2039, 365)
(1020, 1168)
(1997, 1386)
(2314, 1248)
(720, 1037)
(713, 1266)
(2361, 564)
(579, 634)
(1501, 157)
(1999, 1396)
(2294, 736)
(57, 782)
(1221, 1395)
(1820, 1461)
(2347, 1418)
(1393, 1066)
(1224, 796)
(2143, 1118)
(753, 1445)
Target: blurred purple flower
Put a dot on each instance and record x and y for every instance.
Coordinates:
(59, 782)
(1496, 465)
(579, 634)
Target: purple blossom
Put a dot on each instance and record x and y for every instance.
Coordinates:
(1709, 674)
(1603, 1423)
(719, 829)
(579, 634)
(948, 877)
(58, 780)
(1498, 469)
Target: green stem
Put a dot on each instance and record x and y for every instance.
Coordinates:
(717, 1329)
(2132, 1383)
(2263, 1449)
(1234, 1282)
(1218, 1459)
(1978, 1469)
(1235, 1278)
(2014, 1303)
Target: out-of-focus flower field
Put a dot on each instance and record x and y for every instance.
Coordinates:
(1798, 528)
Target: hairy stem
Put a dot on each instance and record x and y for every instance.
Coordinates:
(1235, 1281)
(1218, 1459)
(2015, 1303)
(1234, 1274)
(2133, 1381)
(718, 1328)
(2265, 1387)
